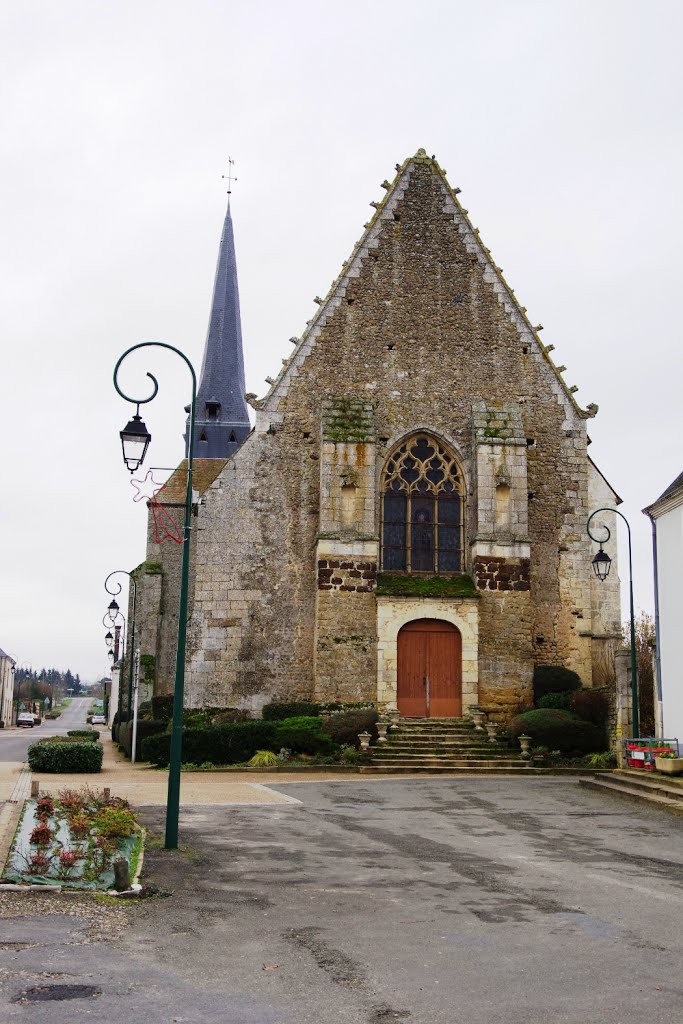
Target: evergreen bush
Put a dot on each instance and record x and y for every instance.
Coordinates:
(278, 711)
(591, 705)
(558, 730)
(304, 740)
(559, 701)
(146, 727)
(344, 727)
(65, 757)
(554, 679)
(306, 722)
(85, 734)
(162, 707)
(218, 744)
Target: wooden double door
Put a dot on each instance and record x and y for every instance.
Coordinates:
(429, 683)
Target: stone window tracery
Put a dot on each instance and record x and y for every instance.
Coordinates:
(422, 508)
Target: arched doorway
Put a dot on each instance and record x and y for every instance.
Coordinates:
(429, 683)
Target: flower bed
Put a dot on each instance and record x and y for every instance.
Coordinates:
(74, 840)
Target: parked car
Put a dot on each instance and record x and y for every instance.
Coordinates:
(25, 718)
(99, 720)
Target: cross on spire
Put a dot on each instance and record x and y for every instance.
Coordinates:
(229, 177)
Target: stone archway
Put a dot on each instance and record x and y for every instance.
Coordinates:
(429, 669)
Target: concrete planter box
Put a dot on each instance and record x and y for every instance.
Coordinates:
(669, 765)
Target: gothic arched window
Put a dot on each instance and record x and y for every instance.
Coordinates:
(422, 508)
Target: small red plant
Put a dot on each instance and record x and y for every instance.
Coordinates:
(105, 845)
(45, 808)
(39, 863)
(67, 862)
(41, 835)
(79, 826)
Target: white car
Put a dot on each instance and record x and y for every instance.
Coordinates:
(25, 718)
(99, 720)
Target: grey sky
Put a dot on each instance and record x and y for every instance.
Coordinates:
(560, 122)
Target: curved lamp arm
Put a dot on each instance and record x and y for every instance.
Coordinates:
(155, 383)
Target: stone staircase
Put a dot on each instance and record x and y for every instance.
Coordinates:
(442, 745)
(663, 792)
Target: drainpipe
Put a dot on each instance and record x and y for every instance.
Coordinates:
(658, 660)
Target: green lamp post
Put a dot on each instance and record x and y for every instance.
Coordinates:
(602, 563)
(135, 440)
(131, 632)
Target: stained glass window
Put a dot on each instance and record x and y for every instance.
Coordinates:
(422, 509)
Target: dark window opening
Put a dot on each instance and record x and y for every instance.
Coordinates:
(202, 436)
(232, 437)
(422, 509)
(212, 410)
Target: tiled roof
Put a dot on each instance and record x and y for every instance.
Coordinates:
(204, 472)
(676, 485)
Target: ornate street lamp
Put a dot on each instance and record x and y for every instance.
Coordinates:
(109, 639)
(173, 799)
(131, 632)
(113, 608)
(602, 563)
(135, 439)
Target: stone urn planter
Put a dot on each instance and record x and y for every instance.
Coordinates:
(491, 729)
(669, 765)
(478, 719)
(382, 732)
(525, 743)
(364, 738)
(394, 716)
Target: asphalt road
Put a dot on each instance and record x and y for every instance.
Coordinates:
(435, 901)
(15, 742)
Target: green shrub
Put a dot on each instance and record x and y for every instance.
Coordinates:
(302, 722)
(198, 718)
(263, 759)
(558, 730)
(304, 741)
(559, 701)
(344, 727)
(146, 727)
(276, 712)
(591, 705)
(145, 709)
(554, 679)
(162, 707)
(65, 757)
(608, 760)
(219, 744)
(85, 734)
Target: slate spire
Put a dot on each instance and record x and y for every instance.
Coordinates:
(221, 417)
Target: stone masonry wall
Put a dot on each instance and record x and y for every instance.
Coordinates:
(420, 327)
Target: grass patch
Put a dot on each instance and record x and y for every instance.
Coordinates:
(390, 585)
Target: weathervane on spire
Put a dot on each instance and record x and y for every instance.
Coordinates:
(229, 177)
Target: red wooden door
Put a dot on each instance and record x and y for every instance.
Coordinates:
(429, 670)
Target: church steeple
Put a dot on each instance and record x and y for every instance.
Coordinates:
(221, 417)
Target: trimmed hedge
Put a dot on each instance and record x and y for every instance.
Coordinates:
(219, 744)
(65, 757)
(304, 741)
(558, 730)
(558, 701)
(162, 707)
(307, 722)
(146, 727)
(344, 728)
(276, 712)
(85, 734)
(554, 679)
(590, 705)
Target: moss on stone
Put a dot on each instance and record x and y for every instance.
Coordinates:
(152, 568)
(389, 585)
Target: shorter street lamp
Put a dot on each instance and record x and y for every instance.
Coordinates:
(113, 609)
(109, 639)
(135, 439)
(602, 563)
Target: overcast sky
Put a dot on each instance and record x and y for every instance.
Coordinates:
(559, 121)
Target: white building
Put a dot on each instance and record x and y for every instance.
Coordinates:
(666, 514)
(6, 687)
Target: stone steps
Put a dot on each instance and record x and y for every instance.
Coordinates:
(634, 785)
(442, 745)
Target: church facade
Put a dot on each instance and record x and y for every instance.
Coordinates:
(406, 521)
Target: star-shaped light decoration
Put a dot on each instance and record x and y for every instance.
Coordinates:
(147, 488)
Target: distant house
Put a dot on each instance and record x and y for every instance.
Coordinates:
(666, 514)
(6, 687)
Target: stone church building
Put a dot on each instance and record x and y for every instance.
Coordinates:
(406, 521)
